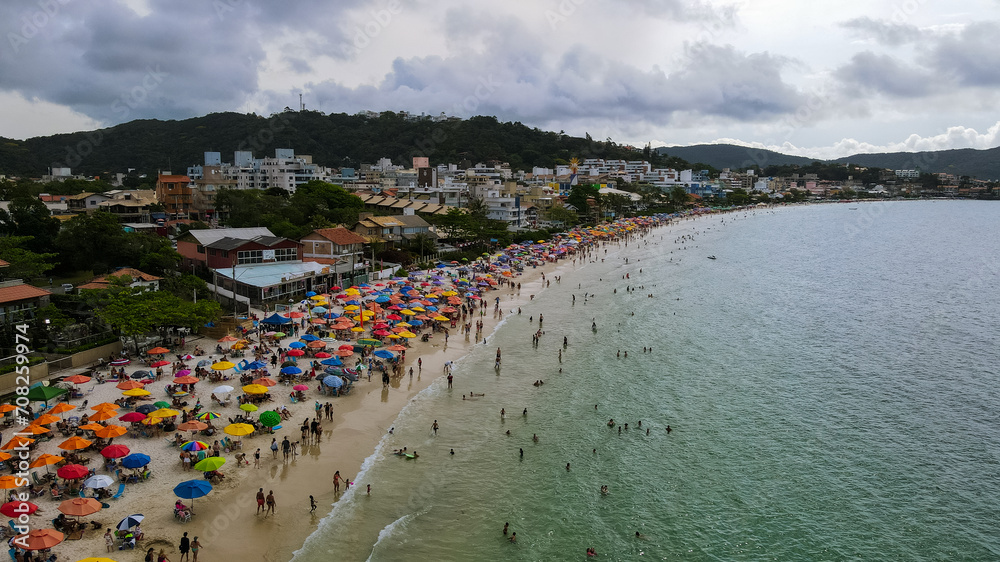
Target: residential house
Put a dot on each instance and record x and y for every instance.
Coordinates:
(191, 246)
(175, 193)
(339, 248)
(18, 300)
(138, 279)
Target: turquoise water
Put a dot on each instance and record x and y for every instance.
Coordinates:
(830, 380)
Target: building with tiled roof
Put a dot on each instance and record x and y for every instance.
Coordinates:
(336, 246)
(139, 279)
(18, 301)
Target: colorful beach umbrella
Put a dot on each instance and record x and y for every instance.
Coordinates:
(194, 446)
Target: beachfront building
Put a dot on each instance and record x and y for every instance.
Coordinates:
(269, 284)
(339, 248)
(136, 278)
(18, 300)
(192, 246)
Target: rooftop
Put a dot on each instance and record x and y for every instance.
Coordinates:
(21, 292)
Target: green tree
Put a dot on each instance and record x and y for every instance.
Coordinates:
(29, 217)
(560, 214)
(24, 263)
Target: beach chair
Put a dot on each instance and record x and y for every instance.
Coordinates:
(36, 479)
(170, 441)
(120, 492)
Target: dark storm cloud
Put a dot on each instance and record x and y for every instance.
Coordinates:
(970, 57)
(868, 72)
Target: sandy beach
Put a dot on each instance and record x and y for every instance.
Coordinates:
(225, 521)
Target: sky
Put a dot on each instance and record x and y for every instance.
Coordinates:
(821, 79)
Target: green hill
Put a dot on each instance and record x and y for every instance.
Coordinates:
(332, 140)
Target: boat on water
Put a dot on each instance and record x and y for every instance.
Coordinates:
(711, 257)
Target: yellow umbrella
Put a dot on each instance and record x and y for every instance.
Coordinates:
(255, 389)
(407, 312)
(450, 294)
(318, 298)
(407, 335)
(137, 392)
(417, 309)
(404, 325)
(151, 421)
(441, 318)
(393, 336)
(239, 429)
(357, 329)
(163, 413)
(352, 292)
(223, 366)
(351, 308)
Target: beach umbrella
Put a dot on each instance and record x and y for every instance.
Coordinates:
(222, 389)
(256, 365)
(43, 393)
(209, 464)
(46, 459)
(255, 389)
(333, 361)
(344, 353)
(115, 451)
(239, 429)
(227, 338)
(223, 366)
(309, 337)
(120, 362)
(72, 471)
(80, 507)
(384, 354)
(103, 415)
(17, 442)
(95, 559)
(295, 353)
(192, 489)
(74, 443)
(396, 347)
(407, 335)
(17, 508)
(9, 482)
(132, 417)
(129, 385)
(194, 446)
(136, 392)
(110, 431)
(130, 521)
(151, 421)
(34, 429)
(323, 355)
(266, 382)
(300, 387)
(192, 425)
(294, 314)
(135, 460)
(162, 404)
(4, 456)
(248, 407)
(164, 413)
(369, 342)
(270, 419)
(333, 381)
(290, 371)
(204, 363)
(77, 379)
(92, 426)
(105, 406)
(296, 345)
(146, 408)
(39, 539)
(57, 409)
(206, 416)
(183, 373)
(159, 363)
(187, 357)
(158, 351)
(187, 379)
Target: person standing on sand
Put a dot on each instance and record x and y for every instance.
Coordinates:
(274, 447)
(195, 547)
(260, 501)
(336, 482)
(435, 427)
(256, 458)
(270, 502)
(184, 547)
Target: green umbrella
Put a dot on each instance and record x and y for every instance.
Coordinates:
(279, 334)
(270, 418)
(162, 404)
(248, 407)
(210, 463)
(371, 342)
(42, 393)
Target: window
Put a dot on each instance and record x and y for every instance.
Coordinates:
(201, 249)
(211, 252)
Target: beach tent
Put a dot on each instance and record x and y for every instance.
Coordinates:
(276, 319)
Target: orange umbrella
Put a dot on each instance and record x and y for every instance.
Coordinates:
(4, 456)
(45, 419)
(111, 432)
(93, 426)
(105, 406)
(17, 442)
(45, 460)
(158, 351)
(39, 539)
(74, 443)
(9, 482)
(7, 408)
(80, 506)
(187, 379)
(129, 385)
(77, 379)
(224, 339)
(264, 381)
(34, 429)
(60, 408)
(193, 425)
(103, 415)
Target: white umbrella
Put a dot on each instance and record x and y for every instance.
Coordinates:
(130, 521)
(222, 389)
(99, 481)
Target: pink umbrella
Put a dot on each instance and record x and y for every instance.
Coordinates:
(301, 387)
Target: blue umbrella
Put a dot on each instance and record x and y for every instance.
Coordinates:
(135, 460)
(415, 322)
(291, 371)
(308, 337)
(381, 299)
(253, 366)
(319, 309)
(192, 489)
(333, 381)
(296, 345)
(384, 354)
(311, 293)
(353, 301)
(333, 362)
(146, 408)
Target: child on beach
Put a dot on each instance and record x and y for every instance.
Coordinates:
(312, 504)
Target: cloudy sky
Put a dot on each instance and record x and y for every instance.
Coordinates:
(822, 78)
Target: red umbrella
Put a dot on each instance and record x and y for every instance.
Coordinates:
(17, 508)
(133, 417)
(294, 315)
(296, 352)
(160, 363)
(72, 471)
(323, 355)
(346, 347)
(115, 451)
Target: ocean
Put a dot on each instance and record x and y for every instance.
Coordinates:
(830, 380)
